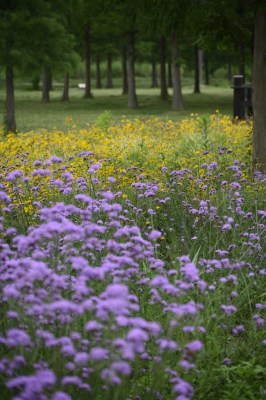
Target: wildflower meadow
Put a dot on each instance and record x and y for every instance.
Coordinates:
(133, 262)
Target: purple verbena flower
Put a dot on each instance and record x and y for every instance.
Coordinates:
(61, 396)
(183, 388)
(194, 346)
(121, 367)
(154, 234)
(190, 272)
(98, 354)
(228, 310)
(56, 159)
(18, 337)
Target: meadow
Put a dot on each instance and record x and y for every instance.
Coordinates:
(31, 113)
(132, 259)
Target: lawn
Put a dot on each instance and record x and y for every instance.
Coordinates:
(31, 113)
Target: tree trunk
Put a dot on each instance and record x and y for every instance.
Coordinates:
(154, 81)
(109, 71)
(196, 70)
(49, 79)
(36, 83)
(124, 70)
(10, 122)
(98, 73)
(65, 96)
(87, 94)
(259, 90)
(170, 76)
(132, 97)
(229, 69)
(242, 59)
(200, 65)
(177, 100)
(46, 84)
(164, 93)
(206, 68)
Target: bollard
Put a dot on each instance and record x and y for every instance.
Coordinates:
(239, 96)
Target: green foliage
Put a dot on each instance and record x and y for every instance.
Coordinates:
(104, 121)
(244, 380)
(33, 34)
(222, 24)
(205, 128)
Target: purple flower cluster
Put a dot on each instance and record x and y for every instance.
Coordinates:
(97, 292)
(88, 274)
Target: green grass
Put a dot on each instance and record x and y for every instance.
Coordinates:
(31, 113)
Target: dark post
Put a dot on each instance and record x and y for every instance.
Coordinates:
(239, 96)
(249, 100)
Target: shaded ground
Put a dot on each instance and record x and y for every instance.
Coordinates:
(31, 113)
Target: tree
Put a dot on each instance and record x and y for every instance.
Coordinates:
(223, 24)
(163, 84)
(106, 42)
(46, 84)
(10, 121)
(168, 21)
(197, 69)
(170, 78)
(109, 70)
(259, 89)
(74, 58)
(177, 101)
(127, 14)
(98, 71)
(12, 45)
(65, 95)
(85, 19)
(154, 80)
(87, 43)
(132, 97)
(147, 52)
(206, 68)
(28, 32)
(124, 69)
(53, 43)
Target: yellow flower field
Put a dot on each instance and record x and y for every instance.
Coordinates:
(148, 144)
(128, 151)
